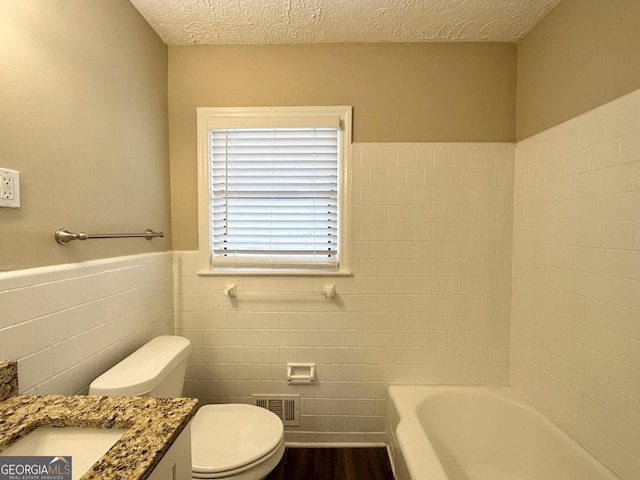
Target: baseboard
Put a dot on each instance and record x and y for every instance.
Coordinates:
(335, 445)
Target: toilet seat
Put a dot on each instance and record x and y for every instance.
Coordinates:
(229, 439)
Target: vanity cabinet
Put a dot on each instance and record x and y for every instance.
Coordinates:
(176, 463)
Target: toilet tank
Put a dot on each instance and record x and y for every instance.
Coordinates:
(156, 369)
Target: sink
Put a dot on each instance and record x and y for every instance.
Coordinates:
(84, 445)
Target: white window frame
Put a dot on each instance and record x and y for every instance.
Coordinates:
(238, 117)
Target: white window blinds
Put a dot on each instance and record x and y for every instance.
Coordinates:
(274, 197)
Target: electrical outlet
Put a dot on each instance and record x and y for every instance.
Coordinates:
(8, 191)
(9, 188)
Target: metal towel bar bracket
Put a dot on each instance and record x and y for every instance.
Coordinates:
(64, 235)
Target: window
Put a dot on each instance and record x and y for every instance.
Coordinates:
(272, 196)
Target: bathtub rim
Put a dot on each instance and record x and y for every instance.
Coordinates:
(409, 426)
(407, 398)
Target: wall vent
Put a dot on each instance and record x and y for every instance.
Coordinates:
(287, 407)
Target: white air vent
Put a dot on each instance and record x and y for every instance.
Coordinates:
(287, 407)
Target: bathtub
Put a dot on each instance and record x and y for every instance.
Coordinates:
(480, 433)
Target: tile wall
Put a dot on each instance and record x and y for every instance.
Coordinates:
(66, 324)
(428, 300)
(576, 279)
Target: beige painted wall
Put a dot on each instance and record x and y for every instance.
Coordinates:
(582, 55)
(83, 103)
(399, 93)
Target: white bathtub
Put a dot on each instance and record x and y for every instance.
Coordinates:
(480, 433)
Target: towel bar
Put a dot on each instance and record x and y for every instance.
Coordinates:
(64, 235)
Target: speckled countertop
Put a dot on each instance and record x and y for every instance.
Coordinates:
(152, 426)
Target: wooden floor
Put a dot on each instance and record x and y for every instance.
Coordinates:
(333, 464)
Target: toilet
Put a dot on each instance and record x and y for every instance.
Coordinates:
(228, 441)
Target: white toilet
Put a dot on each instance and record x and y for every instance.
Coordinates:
(230, 441)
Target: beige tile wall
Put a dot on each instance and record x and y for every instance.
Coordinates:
(576, 279)
(428, 300)
(66, 324)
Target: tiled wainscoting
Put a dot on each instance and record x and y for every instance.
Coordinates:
(576, 279)
(66, 324)
(428, 300)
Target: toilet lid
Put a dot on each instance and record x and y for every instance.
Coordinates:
(230, 436)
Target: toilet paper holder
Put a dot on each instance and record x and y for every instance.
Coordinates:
(301, 372)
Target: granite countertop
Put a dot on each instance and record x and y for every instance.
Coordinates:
(152, 424)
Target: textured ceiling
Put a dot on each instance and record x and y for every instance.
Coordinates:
(189, 22)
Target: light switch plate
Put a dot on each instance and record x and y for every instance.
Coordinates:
(9, 188)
